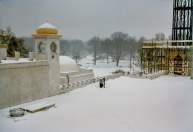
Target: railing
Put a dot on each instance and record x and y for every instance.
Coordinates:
(71, 86)
(173, 43)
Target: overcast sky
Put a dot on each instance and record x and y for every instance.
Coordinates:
(83, 19)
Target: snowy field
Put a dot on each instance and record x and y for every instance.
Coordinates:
(127, 104)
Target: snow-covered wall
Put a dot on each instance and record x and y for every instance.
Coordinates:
(82, 74)
(23, 82)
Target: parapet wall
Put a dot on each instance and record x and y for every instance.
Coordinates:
(70, 77)
(23, 82)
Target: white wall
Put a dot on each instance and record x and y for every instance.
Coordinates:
(23, 82)
(52, 58)
(3, 53)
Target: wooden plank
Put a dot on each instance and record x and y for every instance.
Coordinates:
(38, 107)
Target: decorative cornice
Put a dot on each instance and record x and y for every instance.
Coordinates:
(55, 35)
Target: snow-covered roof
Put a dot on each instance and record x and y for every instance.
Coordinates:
(46, 25)
(46, 28)
(67, 64)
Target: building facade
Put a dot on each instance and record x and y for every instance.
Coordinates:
(27, 79)
(164, 55)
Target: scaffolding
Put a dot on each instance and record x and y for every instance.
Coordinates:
(182, 20)
(164, 55)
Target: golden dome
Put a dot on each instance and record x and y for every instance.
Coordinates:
(46, 28)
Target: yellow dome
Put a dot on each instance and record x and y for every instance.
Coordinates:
(46, 28)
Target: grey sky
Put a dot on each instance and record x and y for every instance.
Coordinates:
(83, 19)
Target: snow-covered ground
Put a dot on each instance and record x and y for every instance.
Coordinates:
(127, 104)
(102, 68)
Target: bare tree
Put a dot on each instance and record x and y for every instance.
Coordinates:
(29, 43)
(170, 37)
(64, 46)
(132, 49)
(139, 51)
(119, 45)
(105, 47)
(159, 37)
(77, 47)
(94, 46)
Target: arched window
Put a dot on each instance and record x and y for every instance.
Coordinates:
(41, 47)
(178, 65)
(53, 47)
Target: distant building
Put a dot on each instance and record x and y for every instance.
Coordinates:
(175, 57)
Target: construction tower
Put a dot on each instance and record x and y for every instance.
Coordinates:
(182, 20)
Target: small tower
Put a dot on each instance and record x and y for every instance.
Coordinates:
(3, 51)
(47, 47)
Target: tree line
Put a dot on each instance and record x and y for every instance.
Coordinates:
(117, 46)
(14, 43)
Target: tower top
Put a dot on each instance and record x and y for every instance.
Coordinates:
(47, 29)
